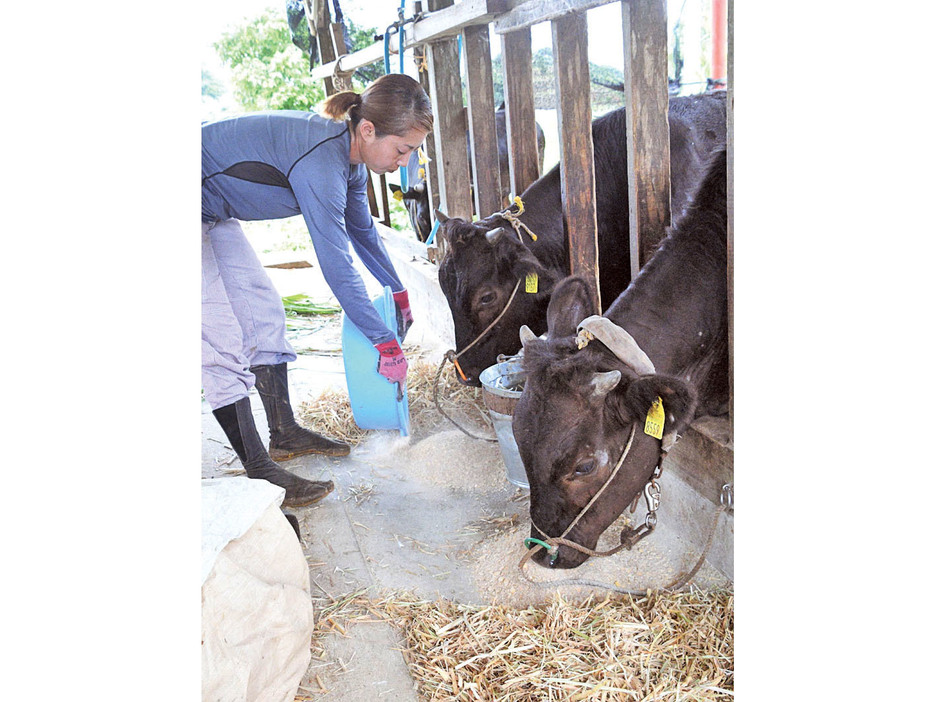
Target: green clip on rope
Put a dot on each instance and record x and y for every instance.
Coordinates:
(552, 550)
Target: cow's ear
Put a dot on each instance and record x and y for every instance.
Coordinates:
(677, 396)
(394, 188)
(571, 302)
(538, 279)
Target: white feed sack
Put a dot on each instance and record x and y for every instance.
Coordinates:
(256, 606)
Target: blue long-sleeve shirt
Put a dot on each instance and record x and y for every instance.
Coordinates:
(269, 165)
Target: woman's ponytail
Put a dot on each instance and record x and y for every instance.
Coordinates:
(339, 105)
(394, 103)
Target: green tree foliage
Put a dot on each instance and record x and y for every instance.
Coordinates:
(268, 71)
(544, 82)
(361, 38)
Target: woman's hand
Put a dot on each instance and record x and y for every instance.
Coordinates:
(404, 313)
(391, 362)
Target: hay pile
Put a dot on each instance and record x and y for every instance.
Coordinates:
(330, 413)
(658, 647)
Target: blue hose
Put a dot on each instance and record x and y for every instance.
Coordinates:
(404, 180)
(435, 228)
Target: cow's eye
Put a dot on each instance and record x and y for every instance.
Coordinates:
(585, 466)
(487, 298)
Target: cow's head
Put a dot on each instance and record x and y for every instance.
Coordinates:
(416, 197)
(574, 419)
(482, 265)
(416, 201)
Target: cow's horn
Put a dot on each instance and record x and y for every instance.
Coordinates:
(603, 383)
(619, 342)
(493, 235)
(526, 335)
(441, 216)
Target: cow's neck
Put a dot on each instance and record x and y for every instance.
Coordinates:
(542, 201)
(679, 321)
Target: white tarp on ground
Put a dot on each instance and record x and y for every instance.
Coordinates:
(256, 604)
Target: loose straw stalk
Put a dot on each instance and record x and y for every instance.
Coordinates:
(664, 646)
(330, 413)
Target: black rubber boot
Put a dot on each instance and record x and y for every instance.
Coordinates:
(237, 422)
(287, 438)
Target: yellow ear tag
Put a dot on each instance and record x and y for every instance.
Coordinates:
(398, 196)
(655, 420)
(532, 283)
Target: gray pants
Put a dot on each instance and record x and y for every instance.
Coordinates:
(243, 322)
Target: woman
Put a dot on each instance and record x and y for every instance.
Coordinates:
(277, 164)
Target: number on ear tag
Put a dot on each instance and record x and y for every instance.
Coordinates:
(655, 420)
(532, 283)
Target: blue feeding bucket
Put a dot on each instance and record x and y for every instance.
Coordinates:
(374, 400)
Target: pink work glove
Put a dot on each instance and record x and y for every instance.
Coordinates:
(392, 363)
(404, 314)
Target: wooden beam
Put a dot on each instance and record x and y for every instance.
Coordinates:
(449, 127)
(517, 53)
(648, 149)
(451, 20)
(482, 130)
(535, 11)
(576, 149)
(351, 62)
(443, 23)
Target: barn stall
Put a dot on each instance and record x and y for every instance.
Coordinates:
(432, 517)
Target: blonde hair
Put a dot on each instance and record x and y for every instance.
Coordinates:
(394, 103)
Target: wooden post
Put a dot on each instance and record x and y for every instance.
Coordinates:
(730, 109)
(648, 150)
(576, 148)
(336, 35)
(517, 55)
(449, 125)
(319, 19)
(420, 54)
(481, 126)
(385, 200)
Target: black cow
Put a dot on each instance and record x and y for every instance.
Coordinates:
(416, 197)
(580, 406)
(480, 270)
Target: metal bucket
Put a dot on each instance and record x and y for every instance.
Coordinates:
(501, 387)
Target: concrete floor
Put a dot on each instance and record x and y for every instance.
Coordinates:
(391, 524)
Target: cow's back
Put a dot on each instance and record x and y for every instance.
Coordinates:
(707, 114)
(698, 126)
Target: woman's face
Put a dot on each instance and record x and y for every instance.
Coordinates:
(387, 153)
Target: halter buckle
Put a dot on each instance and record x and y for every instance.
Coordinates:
(652, 495)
